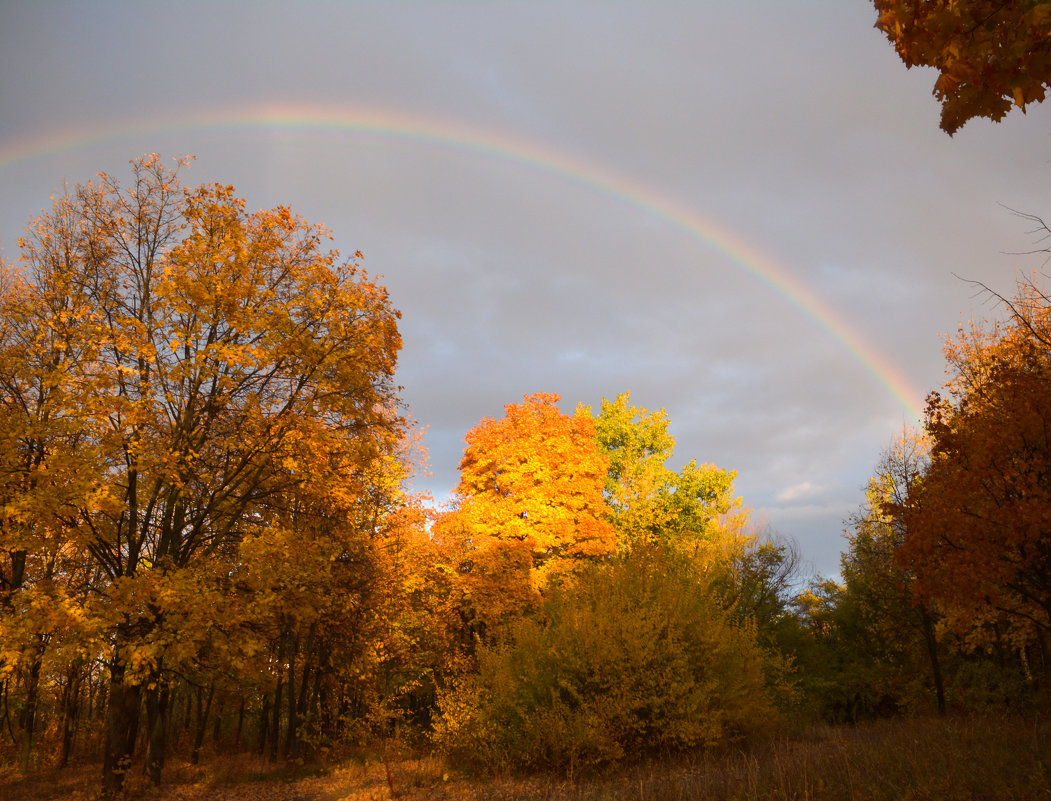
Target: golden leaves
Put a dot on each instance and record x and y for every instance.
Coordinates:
(530, 502)
(176, 373)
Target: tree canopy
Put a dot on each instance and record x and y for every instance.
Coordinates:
(651, 502)
(989, 54)
(978, 521)
(178, 375)
(529, 509)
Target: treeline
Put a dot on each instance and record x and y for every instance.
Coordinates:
(207, 544)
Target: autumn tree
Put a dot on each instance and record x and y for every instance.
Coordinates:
(207, 363)
(989, 54)
(529, 507)
(333, 584)
(45, 463)
(316, 587)
(651, 502)
(757, 581)
(639, 650)
(891, 616)
(692, 510)
(977, 533)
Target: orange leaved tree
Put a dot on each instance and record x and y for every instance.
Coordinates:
(529, 507)
(990, 54)
(978, 523)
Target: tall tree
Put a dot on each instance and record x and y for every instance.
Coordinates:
(989, 54)
(222, 359)
(46, 463)
(978, 533)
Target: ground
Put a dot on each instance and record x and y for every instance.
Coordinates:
(975, 757)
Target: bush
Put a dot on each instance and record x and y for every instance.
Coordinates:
(635, 657)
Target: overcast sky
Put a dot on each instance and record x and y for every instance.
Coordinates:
(705, 204)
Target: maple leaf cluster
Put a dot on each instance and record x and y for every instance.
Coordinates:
(990, 54)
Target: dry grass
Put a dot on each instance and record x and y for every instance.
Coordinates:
(988, 757)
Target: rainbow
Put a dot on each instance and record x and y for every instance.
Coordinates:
(420, 129)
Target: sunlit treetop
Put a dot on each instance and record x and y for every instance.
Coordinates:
(650, 502)
(533, 480)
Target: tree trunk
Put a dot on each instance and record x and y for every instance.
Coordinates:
(217, 723)
(201, 722)
(322, 702)
(305, 675)
(27, 718)
(932, 653)
(70, 709)
(184, 722)
(275, 726)
(122, 725)
(158, 698)
(1045, 661)
(240, 723)
(7, 716)
(291, 731)
(264, 724)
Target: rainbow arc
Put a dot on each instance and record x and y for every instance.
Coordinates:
(531, 155)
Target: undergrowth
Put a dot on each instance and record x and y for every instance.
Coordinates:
(977, 757)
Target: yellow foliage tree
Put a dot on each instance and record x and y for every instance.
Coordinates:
(207, 361)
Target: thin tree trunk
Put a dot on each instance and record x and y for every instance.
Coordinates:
(291, 731)
(96, 690)
(27, 719)
(306, 674)
(322, 696)
(264, 725)
(217, 723)
(201, 722)
(99, 706)
(184, 724)
(70, 708)
(240, 723)
(1045, 662)
(275, 726)
(932, 653)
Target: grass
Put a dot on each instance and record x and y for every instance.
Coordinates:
(973, 758)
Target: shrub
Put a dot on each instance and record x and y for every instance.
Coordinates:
(634, 657)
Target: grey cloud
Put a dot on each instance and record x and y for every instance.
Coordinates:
(792, 124)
